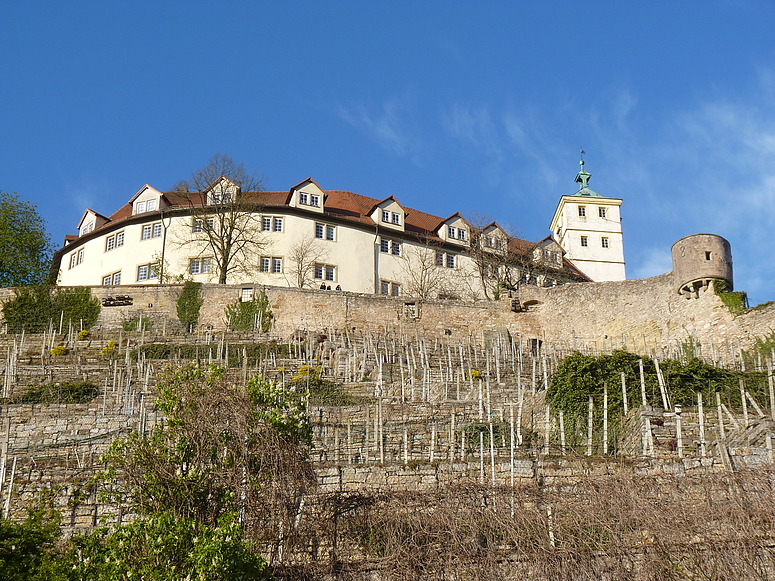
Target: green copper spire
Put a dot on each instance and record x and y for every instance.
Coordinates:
(582, 178)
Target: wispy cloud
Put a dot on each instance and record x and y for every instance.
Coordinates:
(388, 126)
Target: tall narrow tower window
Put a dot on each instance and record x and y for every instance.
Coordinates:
(582, 211)
(585, 241)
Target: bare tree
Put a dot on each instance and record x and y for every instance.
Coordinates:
(303, 256)
(423, 272)
(225, 223)
(492, 257)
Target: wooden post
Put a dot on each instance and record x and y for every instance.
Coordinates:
(481, 457)
(511, 444)
(10, 490)
(520, 395)
(624, 394)
(406, 446)
(642, 382)
(721, 432)
(772, 392)
(701, 415)
(492, 456)
(648, 439)
(562, 432)
(741, 384)
(349, 443)
(547, 430)
(605, 419)
(589, 427)
(662, 387)
(431, 455)
(679, 432)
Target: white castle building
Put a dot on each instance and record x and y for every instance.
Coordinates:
(588, 226)
(313, 238)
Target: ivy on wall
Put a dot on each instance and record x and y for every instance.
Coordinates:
(189, 303)
(250, 315)
(35, 308)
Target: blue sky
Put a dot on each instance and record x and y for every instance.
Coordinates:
(449, 106)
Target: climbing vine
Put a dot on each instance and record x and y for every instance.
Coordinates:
(189, 303)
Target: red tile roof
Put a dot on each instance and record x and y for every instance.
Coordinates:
(339, 203)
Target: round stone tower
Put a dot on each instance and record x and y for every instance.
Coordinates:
(698, 260)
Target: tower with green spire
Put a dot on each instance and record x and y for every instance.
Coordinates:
(588, 226)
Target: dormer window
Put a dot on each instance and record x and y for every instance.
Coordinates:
(451, 232)
(391, 217)
(220, 197)
(88, 228)
(306, 199)
(140, 207)
(150, 206)
(461, 234)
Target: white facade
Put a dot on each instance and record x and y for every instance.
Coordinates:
(306, 237)
(588, 226)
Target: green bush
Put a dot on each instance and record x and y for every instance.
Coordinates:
(256, 352)
(134, 324)
(579, 376)
(189, 303)
(27, 549)
(321, 391)
(250, 315)
(35, 308)
(68, 392)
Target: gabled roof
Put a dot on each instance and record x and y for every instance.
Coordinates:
(90, 211)
(393, 198)
(340, 204)
(142, 190)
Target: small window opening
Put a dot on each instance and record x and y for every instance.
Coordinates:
(707, 255)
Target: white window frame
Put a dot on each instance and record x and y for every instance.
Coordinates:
(395, 219)
(266, 223)
(384, 245)
(150, 205)
(112, 279)
(450, 262)
(395, 248)
(605, 242)
(271, 264)
(319, 230)
(304, 198)
(585, 241)
(200, 265)
(147, 271)
(314, 200)
(582, 211)
(140, 207)
(246, 295)
(386, 216)
(277, 224)
(330, 233)
(389, 288)
(601, 212)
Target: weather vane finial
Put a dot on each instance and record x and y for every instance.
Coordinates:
(581, 163)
